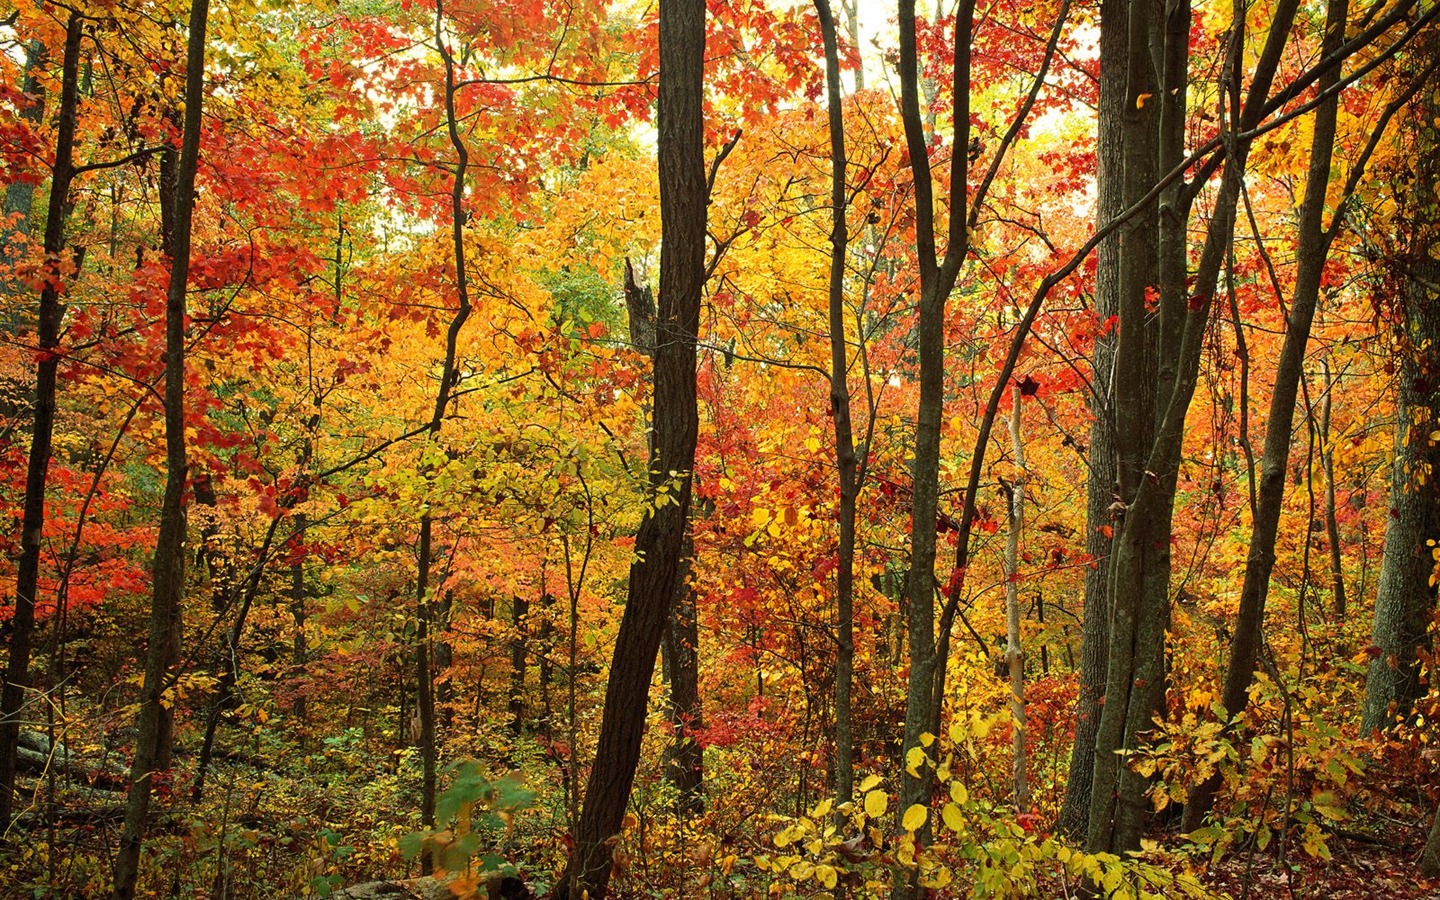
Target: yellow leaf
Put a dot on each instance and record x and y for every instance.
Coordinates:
(812, 444)
(869, 783)
(958, 793)
(1140, 100)
(914, 817)
(827, 876)
(914, 760)
(875, 804)
(759, 516)
(952, 818)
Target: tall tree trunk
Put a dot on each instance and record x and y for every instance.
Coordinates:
(32, 517)
(449, 377)
(1014, 655)
(152, 744)
(1101, 485)
(1406, 597)
(1140, 572)
(937, 280)
(1135, 377)
(1249, 636)
(846, 462)
(658, 543)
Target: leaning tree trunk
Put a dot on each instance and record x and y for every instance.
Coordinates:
(152, 744)
(32, 518)
(658, 543)
(846, 462)
(1249, 634)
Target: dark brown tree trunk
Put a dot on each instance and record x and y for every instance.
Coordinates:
(519, 654)
(1249, 636)
(1101, 483)
(937, 280)
(1332, 520)
(32, 517)
(152, 744)
(449, 377)
(684, 758)
(1139, 577)
(658, 543)
(847, 465)
(1406, 595)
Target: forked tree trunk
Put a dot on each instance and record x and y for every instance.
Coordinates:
(1249, 634)
(658, 543)
(152, 744)
(32, 517)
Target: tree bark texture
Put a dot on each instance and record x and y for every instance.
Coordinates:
(1101, 484)
(1140, 568)
(658, 543)
(1406, 594)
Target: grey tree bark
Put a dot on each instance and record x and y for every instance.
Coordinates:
(1101, 484)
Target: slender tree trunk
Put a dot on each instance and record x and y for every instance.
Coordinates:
(449, 377)
(658, 543)
(298, 596)
(519, 653)
(1332, 520)
(32, 517)
(846, 462)
(1101, 485)
(152, 744)
(1014, 655)
(1249, 636)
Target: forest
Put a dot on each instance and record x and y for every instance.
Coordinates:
(720, 449)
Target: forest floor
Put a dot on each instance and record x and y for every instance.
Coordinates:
(1356, 871)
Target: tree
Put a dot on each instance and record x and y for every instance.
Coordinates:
(48, 356)
(846, 461)
(1406, 592)
(152, 743)
(658, 543)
